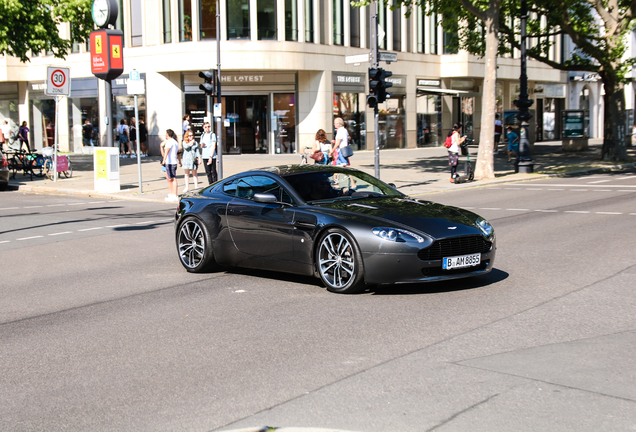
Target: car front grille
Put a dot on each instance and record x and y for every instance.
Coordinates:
(454, 247)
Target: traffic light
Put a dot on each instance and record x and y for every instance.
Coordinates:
(385, 85)
(208, 78)
(375, 84)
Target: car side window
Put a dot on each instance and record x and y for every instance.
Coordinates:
(230, 187)
(246, 187)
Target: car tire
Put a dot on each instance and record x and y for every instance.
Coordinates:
(339, 262)
(194, 246)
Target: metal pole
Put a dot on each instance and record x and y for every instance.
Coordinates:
(137, 140)
(109, 113)
(524, 162)
(375, 54)
(219, 144)
(57, 108)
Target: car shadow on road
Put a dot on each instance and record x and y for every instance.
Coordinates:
(493, 277)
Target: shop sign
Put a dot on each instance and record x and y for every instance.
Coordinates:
(463, 84)
(347, 79)
(429, 83)
(397, 81)
(107, 57)
(239, 79)
(573, 124)
(591, 76)
(555, 90)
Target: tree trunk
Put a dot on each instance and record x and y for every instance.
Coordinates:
(484, 168)
(614, 125)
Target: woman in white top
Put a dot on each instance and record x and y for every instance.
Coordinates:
(342, 140)
(453, 151)
(170, 148)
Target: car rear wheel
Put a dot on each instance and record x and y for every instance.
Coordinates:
(194, 246)
(339, 262)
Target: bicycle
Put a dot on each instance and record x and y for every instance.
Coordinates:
(29, 162)
(63, 164)
(304, 155)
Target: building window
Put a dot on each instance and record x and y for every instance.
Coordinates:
(338, 22)
(421, 32)
(397, 29)
(382, 24)
(207, 19)
(309, 21)
(323, 12)
(136, 16)
(119, 24)
(451, 43)
(354, 26)
(167, 22)
(185, 20)
(266, 16)
(291, 20)
(433, 32)
(238, 19)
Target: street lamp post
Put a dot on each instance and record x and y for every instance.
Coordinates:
(524, 163)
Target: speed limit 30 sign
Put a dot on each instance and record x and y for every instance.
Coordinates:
(58, 81)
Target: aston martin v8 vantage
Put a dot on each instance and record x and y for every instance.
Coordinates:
(338, 224)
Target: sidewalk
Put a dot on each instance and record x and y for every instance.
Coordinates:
(413, 171)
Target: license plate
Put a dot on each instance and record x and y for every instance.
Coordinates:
(461, 261)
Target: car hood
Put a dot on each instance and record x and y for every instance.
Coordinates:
(436, 220)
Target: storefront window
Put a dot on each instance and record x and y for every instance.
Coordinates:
(238, 19)
(207, 19)
(42, 123)
(429, 120)
(392, 122)
(124, 108)
(284, 115)
(9, 112)
(80, 110)
(346, 106)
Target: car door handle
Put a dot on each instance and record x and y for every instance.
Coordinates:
(304, 225)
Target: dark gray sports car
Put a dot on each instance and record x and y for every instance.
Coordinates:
(339, 224)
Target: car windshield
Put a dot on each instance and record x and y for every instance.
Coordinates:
(333, 186)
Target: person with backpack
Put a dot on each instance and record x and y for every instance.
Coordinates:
(453, 141)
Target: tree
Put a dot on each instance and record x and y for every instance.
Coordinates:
(475, 16)
(33, 26)
(599, 28)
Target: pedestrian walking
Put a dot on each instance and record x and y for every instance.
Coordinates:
(143, 137)
(513, 143)
(498, 131)
(208, 152)
(170, 148)
(453, 150)
(23, 136)
(321, 146)
(87, 133)
(190, 160)
(187, 123)
(132, 131)
(124, 138)
(341, 141)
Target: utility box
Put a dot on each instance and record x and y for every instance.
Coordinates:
(575, 126)
(106, 169)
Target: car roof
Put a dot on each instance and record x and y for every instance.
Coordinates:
(287, 170)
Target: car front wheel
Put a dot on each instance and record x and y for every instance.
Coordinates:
(339, 263)
(194, 246)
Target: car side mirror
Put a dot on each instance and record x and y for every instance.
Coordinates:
(265, 198)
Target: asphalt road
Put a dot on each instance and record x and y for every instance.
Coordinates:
(102, 329)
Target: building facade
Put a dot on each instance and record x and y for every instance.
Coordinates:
(283, 77)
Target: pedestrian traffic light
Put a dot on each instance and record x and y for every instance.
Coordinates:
(385, 85)
(208, 85)
(375, 84)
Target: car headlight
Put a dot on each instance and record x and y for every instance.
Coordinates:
(485, 227)
(397, 234)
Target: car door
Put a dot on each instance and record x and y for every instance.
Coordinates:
(259, 229)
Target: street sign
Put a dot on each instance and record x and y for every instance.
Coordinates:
(135, 75)
(58, 81)
(218, 110)
(388, 57)
(360, 58)
(135, 87)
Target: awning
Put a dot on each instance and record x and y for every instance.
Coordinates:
(445, 92)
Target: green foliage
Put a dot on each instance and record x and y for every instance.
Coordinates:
(32, 25)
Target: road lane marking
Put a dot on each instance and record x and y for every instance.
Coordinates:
(75, 204)
(117, 226)
(60, 233)
(90, 229)
(490, 208)
(609, 213)
(144, 222)
(518, 209)
(547, 211)
(600, 181)
(30, 207)
(29, 238)
(589, 185)
(55, 205)
(575, 211)
(96, 202)
(5, 241)
(10, 208)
